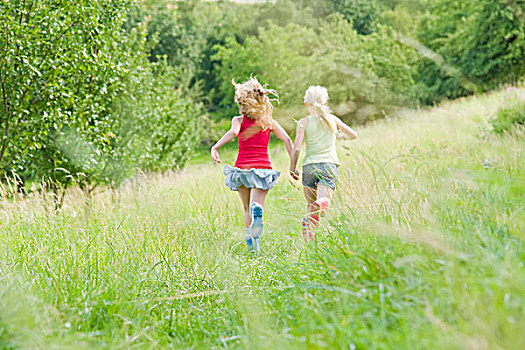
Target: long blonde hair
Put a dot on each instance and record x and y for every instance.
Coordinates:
(316, 98)
(254, 102)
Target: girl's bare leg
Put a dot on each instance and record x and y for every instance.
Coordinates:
(311, 196)
(322, 203)
(325, 192)
(244, 194)
(257, 195)
(249, 196)
(256, 208)
(309, 221)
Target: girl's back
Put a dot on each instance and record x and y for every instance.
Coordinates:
(253, 146)
(320, 142)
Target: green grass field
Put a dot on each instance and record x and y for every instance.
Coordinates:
(423, 249)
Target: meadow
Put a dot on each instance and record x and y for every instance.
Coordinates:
(423, 249)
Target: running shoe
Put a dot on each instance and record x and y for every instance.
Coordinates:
(305, 228)
(256, 213)
(256, 246)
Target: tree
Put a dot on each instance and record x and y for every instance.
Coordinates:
(477, 45)
(69, 77)
(372, 69)
(59, 73)
(362, 13)
(172, 35)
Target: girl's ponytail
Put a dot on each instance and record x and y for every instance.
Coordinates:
(316, 98)
(323, 111)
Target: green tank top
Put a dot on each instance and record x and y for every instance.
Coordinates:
(320, 142)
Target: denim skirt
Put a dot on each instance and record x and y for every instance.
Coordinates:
(263, 179)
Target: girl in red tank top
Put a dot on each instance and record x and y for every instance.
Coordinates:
(253, 146)
(252, 175)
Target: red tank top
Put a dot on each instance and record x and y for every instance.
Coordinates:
(253, 146)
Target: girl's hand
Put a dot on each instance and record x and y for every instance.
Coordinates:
(294, 174)
(215, 155)
(346, 132)
(230, 134)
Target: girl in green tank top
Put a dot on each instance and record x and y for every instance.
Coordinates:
(320, 130)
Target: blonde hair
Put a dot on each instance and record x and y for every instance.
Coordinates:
(253, 101)
(316, 98)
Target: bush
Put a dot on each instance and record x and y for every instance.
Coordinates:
(509, 117)
(159, 126)
(477, 45)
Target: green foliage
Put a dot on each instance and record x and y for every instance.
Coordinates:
(224, 40)
(186, 34)
(477, 45)
(61, 72)
(511, 115)
(415, 5)
(216, 23)
(362, 13)
(173, 36)
(80, 85)
(69, 79)
(275, 55)
(373, 69)
(284, 12)
(402, 19)
(160, 128)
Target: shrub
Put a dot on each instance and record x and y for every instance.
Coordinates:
(477, 45)
(510, 116)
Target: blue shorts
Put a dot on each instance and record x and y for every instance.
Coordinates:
(323, 173)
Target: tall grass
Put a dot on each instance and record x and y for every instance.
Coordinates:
(423, 248)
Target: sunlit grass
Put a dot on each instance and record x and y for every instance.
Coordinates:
(423, 248)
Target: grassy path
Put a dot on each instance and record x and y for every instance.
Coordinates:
(423, 249)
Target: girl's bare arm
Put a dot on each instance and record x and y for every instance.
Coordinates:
(299, 136)
(227, 137)
(347, 133)
(283, 136)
